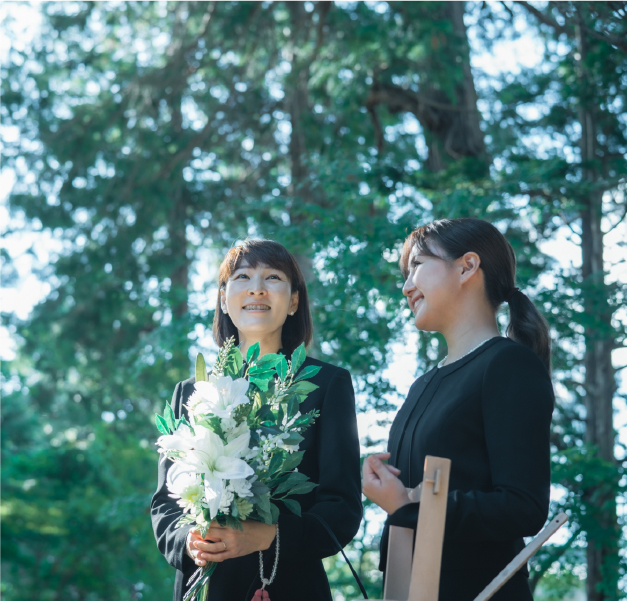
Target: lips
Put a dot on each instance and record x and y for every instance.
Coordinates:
(256, 307)
(415, 301)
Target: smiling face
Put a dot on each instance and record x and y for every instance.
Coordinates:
(258, 301)
(431, 288)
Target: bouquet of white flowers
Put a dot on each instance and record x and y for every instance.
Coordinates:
(239, 450)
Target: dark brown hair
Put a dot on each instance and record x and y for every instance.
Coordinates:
(455, 238)
(297, 328)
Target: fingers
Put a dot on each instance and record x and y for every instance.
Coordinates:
(380, 469)
(210, 546)
(381, 456)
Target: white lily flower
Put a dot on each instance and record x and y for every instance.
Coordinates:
(182, 440)
(216, 461)
(220, 396)
(187, 488)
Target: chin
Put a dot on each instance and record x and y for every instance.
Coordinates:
(424, 324)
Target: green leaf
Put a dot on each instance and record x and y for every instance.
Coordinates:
(308, 372)
(293, 479)
(298, 357)
(293, 439)
(169, 417)
(264, 502)
(261, 372)
(293, 461)
(252, 353)
(303, 388)
(274, 512)
(269, 430)
(275, 462)
(302, 488)
(201, 368)
(292, 406)
(259, 489)
(162, 425)
(234, 362)
(234, 523)
(281, 368)
(261, 383)
(269, 361)
(293, 506)
(264, 413)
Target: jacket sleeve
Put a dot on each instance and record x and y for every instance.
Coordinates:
(517, 404)
(338, 494)
(165, 512)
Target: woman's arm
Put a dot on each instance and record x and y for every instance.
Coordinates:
(338, 494)
(517, 404)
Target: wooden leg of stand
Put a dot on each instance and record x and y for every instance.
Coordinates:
(523, 557)
(398, 567)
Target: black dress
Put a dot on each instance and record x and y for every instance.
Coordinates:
(490, 414)
(331, 459)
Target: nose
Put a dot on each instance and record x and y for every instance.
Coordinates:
(257, 287)
(408, 286)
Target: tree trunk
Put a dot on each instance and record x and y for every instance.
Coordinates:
(451, 125)
(600, 385)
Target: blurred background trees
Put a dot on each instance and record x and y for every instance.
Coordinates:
(153, 135)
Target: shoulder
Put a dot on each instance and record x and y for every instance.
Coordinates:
(507, 356)
(329, 374)
(327, 370)
(514, 371)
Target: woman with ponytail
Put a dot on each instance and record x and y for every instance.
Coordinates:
(486, 406)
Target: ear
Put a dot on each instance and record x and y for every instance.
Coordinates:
(293, 303)
(469, 265)
(223, 301)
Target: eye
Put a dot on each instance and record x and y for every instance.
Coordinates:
(275, 276)
(415, 263)
(240, 275)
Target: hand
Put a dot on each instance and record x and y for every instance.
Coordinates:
(381, 484)
(226, 543)
(192, 551)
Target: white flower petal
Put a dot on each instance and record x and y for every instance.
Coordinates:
(238, 446)
(213, 494)
(230, 467)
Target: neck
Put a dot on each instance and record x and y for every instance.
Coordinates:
(270, 343)
(472, 327)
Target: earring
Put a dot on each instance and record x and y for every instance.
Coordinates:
(292, 313)
(225, 311)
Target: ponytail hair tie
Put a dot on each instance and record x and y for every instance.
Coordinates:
(510, 294)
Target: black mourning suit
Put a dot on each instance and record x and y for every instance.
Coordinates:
(490, 414)
(331, 459)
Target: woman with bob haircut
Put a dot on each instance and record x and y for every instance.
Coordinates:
(263, 298)
(486, 406)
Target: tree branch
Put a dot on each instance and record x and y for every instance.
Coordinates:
(545, 19)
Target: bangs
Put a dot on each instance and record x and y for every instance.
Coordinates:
(255, 253)
(418, 239)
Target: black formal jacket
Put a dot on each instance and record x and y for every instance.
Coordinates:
(490, 414)
(331, 459)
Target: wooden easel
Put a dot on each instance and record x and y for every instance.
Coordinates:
(419, 579)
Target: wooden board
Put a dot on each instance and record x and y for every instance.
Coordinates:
(425, 575)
